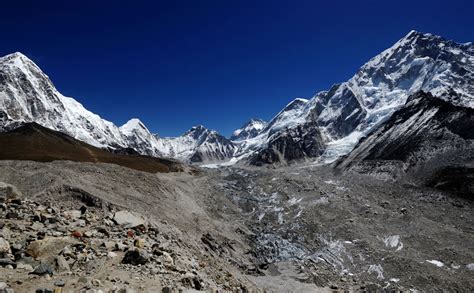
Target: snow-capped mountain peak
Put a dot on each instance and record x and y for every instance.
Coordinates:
(250, 129)
(28, 95)
(133, 125)
(350, 110)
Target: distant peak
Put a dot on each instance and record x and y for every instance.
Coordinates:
(253, 120)
(133, 124)
(413, 33)
(197, 127)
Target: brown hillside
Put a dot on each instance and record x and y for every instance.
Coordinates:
(37, 143)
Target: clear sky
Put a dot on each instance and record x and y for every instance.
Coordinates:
(175, 64)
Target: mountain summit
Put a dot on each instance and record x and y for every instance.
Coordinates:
(28, 95)
(325, 127)
(336, 119)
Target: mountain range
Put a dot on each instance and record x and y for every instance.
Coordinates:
(321, 129)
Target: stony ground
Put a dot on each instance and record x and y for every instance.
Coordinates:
(84, 227)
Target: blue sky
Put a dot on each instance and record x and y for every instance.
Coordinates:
(175, 64)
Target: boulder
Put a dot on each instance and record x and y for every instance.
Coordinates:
(43, 269)
(139, 243)
(49, 246)
(72, 215)
(5, 262)
(135, 257)
(61, 264)
(4, 247)
(127, 219)
(8, 191)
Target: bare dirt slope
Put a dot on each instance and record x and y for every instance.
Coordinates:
(37, 143)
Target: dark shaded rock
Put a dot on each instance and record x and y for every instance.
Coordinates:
(7, 262)
(42, 269)
(135, 257)
(303, 141)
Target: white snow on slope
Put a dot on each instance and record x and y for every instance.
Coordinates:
(27, 95)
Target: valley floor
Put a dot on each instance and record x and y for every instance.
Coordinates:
(290, 229)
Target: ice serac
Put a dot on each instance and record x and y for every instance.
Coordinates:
(425, 138)
(198, 144)
(28, 95)
(249, 130)
(350, 110)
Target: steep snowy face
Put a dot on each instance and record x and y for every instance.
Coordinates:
(350, 110)
(416, 62)
(198, 144)
(140, 138)
(27, 95)
(249, 130)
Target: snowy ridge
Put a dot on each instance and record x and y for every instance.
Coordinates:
(27, 95)
(350, 110)
(249, 130)
(325, 127)
(198, 144)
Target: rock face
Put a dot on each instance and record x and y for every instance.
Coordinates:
(198, 144)
(425, 138)
(352, 109)
(249, 130)
(300, 142)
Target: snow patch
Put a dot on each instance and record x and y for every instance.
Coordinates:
(436, 263)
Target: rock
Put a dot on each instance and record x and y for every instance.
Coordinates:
(60, 283)
(5, 262)
(4, 247)
(109, 245)
(3, 286)
(43, 269)
(67, 252)
(72, 215)
(111, 254)
(61, 264)
(9, 191)
(97, 283)
(25, 267)
(192, 282)
(167, 259)
(127, 219)
(49, 246)
(89, 234)
(16, 201)
(76, 234)
(37, 226)
(120, 246)
(135, 257)
(44, 290)
(12, 215)
(139, 243)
